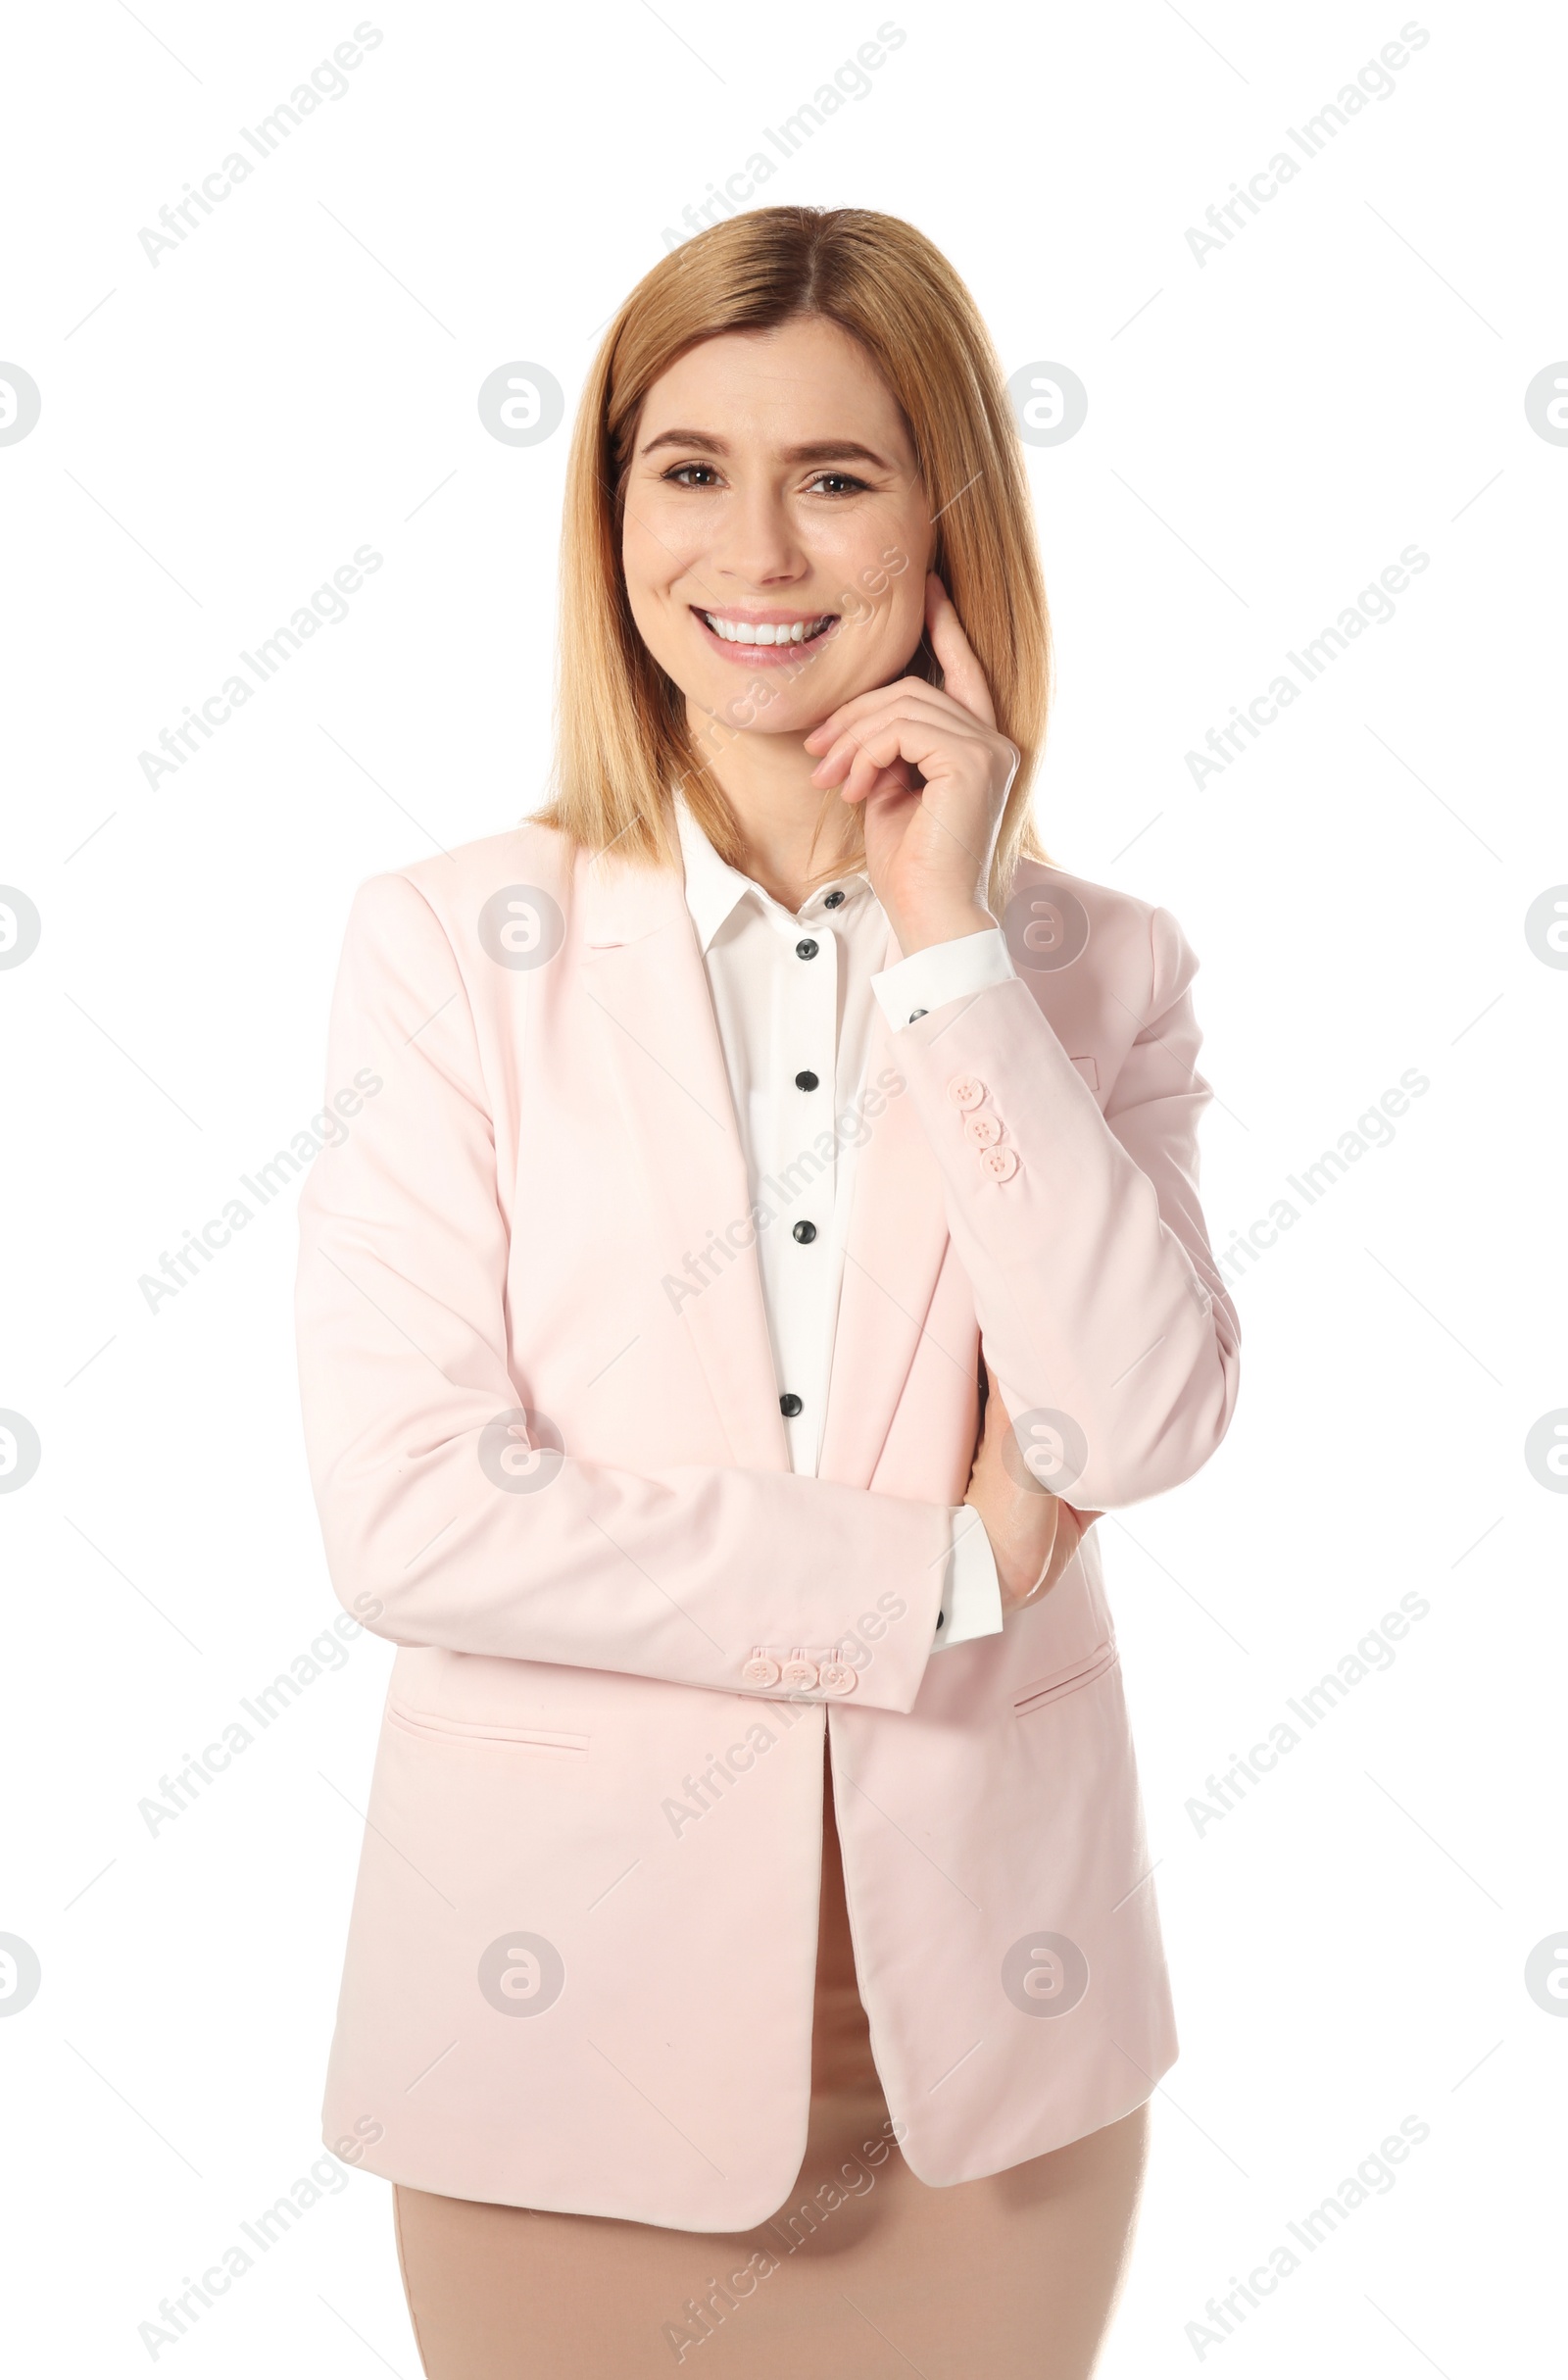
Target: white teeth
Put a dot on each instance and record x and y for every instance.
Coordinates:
(766, 633)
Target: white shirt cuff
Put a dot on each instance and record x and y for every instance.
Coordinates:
(972, 1604)
(942, 971)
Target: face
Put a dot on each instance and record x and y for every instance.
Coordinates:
(777, 533)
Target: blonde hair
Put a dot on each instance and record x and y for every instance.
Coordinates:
(623, 740)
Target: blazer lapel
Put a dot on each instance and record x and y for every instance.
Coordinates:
(893, 1247)
(644, 971)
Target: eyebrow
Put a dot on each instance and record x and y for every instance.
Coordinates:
(820, 450)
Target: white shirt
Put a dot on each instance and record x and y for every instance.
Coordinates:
(791, 995)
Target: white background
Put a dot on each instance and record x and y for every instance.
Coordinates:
(1266, 431)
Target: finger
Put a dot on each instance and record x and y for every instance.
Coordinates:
(1070, 1535)
(889, 801)
(860, 732)
(877, 696)
(1050, 1568)
(884, 769)
(887, 785)
(914, 740)
(890, 778)
(961, 673)
(893, 739)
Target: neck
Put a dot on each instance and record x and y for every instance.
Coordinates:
(795, 835)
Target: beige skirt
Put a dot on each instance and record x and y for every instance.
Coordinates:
(863, 2271)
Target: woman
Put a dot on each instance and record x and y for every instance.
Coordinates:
(754, 1959)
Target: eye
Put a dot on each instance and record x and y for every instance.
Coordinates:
(845, 483)
(678, 476)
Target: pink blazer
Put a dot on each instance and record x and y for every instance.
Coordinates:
(545, 1440)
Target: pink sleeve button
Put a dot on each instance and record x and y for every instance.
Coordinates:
(799, 1675)
(1001, 1164)
(760, 1671)
(984, 1130)
(966, 1091)
(837, 1677)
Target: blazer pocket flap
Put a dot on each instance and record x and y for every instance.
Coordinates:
(1051, 1689)
(482, 1731)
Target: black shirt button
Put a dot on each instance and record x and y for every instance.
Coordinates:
(833, 900)
(806, 949)
(789, 1405)
(806, 1233)
(806, 1081)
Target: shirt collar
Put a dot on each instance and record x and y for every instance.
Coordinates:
(714, 889)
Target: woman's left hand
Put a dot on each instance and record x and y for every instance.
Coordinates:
(927, 846)
(1034, 1535)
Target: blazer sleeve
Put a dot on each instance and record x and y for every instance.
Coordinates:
(406, 1387)
(1102, 1310)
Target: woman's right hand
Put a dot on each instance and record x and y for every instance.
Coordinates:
(1033, 1534)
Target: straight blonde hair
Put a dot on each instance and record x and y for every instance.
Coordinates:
(622, 738)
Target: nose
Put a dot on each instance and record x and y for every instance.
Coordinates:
(758, 545)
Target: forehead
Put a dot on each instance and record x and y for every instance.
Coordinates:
(804, 382)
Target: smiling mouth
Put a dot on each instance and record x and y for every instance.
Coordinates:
(754, 633)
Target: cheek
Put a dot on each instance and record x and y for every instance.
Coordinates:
(645, 560)
(906, 605)
(648, 569)
(882, 572)
(886, 614)
(660, 539)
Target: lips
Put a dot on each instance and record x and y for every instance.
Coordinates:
(766, 638)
